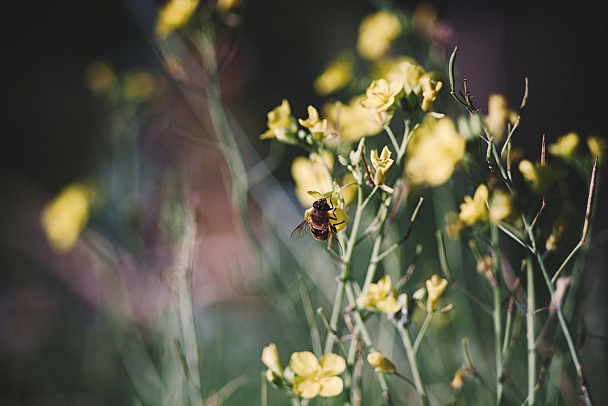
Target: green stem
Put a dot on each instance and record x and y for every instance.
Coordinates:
(497, 314)
(530, 335)
(422, 332)
(411, 358)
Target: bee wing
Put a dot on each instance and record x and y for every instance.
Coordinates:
(301, 230)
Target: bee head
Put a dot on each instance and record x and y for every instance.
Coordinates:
(321, 204)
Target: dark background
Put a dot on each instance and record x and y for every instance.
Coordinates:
(48, 118)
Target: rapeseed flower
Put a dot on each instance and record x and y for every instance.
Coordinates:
(316, 126)
(540, 177)
(64, 218)
(317, 377)
(565, 147)
(498, 116)
(174, 14)
(376, 32)
(355, 120)
(474, 208)
(597, 145)
(381, 95)
(435, 286)
(281, 124)
(430, 89)
(381, 164)
(380, 296)
(336, 75)
(270, 358)
(433, 152)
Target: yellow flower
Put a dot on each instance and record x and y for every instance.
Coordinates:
(340, 218)
(540, 177)
(317, 377)
(100, 77)
(173, 15)
(140, 86)
(565, 147)
(435, 288)
(381, 95)
(597, 145)
(64, 218)
(474, 208)
(407, 71)
(336, 75)
(270, 358)
(224, 6)
(383, 365)
(355, 120)
(381, 164)
(433, 151)
(281, 125)
(317, 127)
(376, 33)
(460, 376)
(311, 173)
(498, 116)
(380, 296)
(430, 89)
(500, 206)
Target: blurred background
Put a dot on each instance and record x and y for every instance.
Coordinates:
(55, 344)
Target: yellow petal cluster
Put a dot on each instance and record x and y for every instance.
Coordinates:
(317, 127)
(380, 296)
(355, 121)
(317, 377)
(64, 218)
(474, 208)
(336, 75)
(566, 146)
(173, 15)
(383, 365)
(498, 116)
(430, 88)
(281, 125)
(433, 152)
(381, 164)
(597, 145)
(381, 94)
(540, 177)
(435, 286)
(408, 72)
(376, 32)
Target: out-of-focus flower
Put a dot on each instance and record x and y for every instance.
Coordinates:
(433, 151)
(383, 365)
(336, 74)
(435, 286)
(498, 116)
(380, 296)
(339, 217)
(224, 6)
(317, 127)
(430, 88)
(270, 358)
(140, 85)
(425, 19)
(317, 377)
(501, 206)
(64, 218)
(281, 124)
(355, 121)
(408, 72)
(485, 266)
(474, 208)
(597, 145)
(174, 14)
(557, 234)
(565, 147)
(381, 94)
(100, 77)
(311, 173)
(376, 33)
(540, 177)
(459, 377)
(381, 164)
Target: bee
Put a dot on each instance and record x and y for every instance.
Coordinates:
(319, 224)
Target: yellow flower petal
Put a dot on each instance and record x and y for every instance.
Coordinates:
(474, 208)
(336, 75)
(331, 386)
(304, 363)
(305, 387)
(435, 287)
(270, 358)
(173, 15)
(376, 33)
(332, 364)
(565, 146)
(381, 94)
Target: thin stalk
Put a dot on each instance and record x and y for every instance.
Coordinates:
(411, 358)
(530, 334)
(497, 294)
(422, 332)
